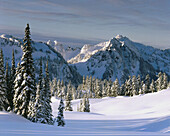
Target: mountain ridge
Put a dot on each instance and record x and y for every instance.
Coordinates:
(58, 67)
(105, 59)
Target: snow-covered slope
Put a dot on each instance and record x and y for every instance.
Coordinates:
(58, 67)
(66, 51)
(119, 58)
(147, 114)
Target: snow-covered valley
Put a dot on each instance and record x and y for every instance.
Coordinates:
(147, 114)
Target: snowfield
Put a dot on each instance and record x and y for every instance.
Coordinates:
(147, 114)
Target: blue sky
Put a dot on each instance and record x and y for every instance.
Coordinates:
(88, 21)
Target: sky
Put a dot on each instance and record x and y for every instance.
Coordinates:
(88, 21)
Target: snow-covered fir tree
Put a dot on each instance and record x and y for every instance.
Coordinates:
(11, 84)
(152, 86)
(87, 83)
(68, 98)
(54, 87)
(128, 86)
(147, 83)
(47, 95)
(134, 86)
(159, 82)
(63, 88)
(104, 93)
(164, 82)
(144, 89)
(108, 88)
(84, 104)
(38, 114)
(94, 85)
(116, 88)
(122, 90)
(25, 88)
(3, 89)
(138, 84)
(98, 90)
(74, 93)
(90, 87)
(84, 84)
(7, 81)
(58, 88)
(60, 117)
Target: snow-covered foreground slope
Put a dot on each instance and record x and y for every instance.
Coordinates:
(139, 115)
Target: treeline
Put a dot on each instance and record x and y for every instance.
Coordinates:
(96, 88)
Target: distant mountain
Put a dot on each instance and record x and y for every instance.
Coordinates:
(58, 67)
(67, 51)
(119, 58)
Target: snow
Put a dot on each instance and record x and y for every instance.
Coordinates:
(147, 114)
(67, 51)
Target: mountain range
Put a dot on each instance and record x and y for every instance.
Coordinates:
(117, 58)
(120, 58)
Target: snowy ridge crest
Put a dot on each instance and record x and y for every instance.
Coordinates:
(119, 58)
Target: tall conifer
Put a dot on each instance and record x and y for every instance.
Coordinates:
(25, 88)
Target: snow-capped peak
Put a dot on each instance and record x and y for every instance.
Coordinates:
(119, 36)
(6, 36)
(53, 43)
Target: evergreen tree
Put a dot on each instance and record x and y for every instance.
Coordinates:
(104, 93)
(3, 92)
(54, 87)
(93, 86)
(90, 87)
(87, 83)
(7, 81)
(128, 86)
(147, 83)
(17, 88)
(38, 114)
(60, 117)
(139, 87)
(159, 82)
(47, 95)
(116, 91)
(152, 86)
(164, 82)
(85, 105)
(62, 89)
(58, 88)
(74, 93)
(25, 91)
(84, 84)
(108, 88)
(134, 86)
(98, 91)
(122, 90)
(12, 79)
(38, 111)
(68, 98)
(142, 89)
